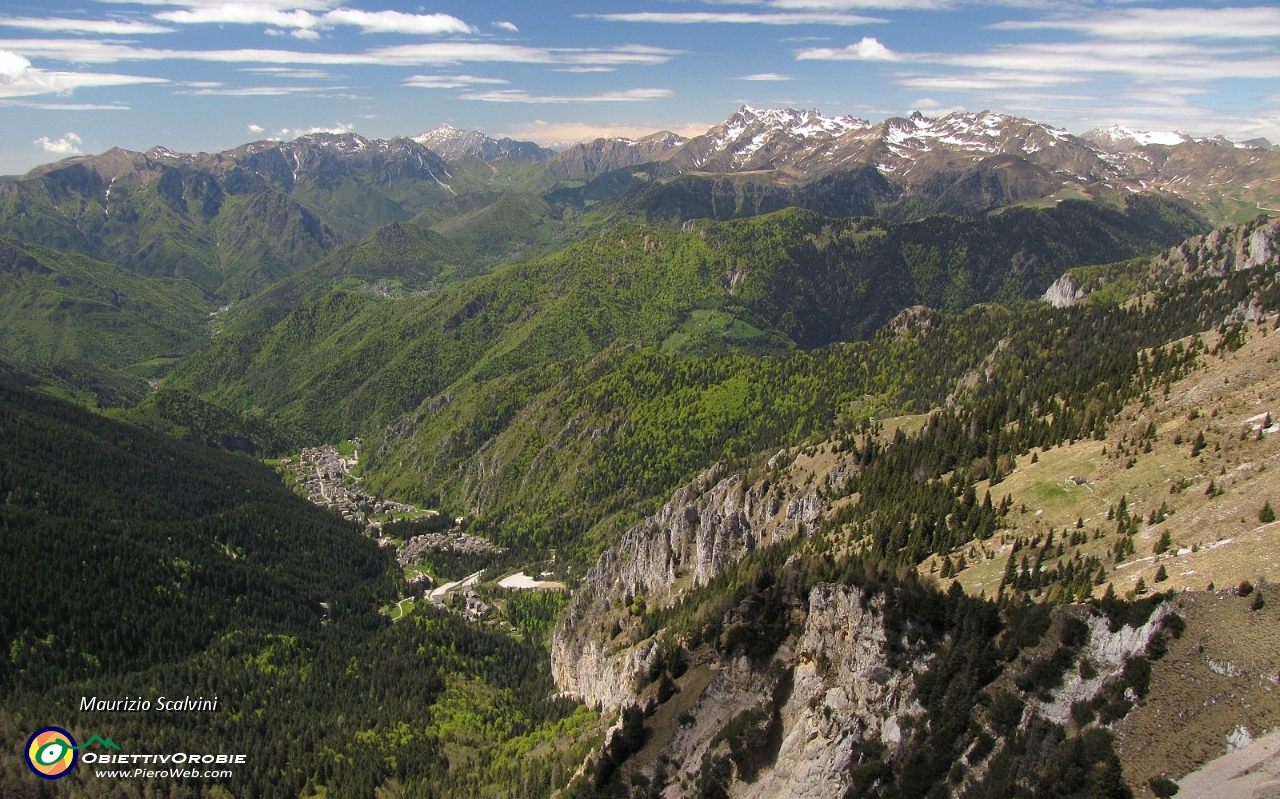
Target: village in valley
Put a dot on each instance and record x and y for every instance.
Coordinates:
(430, 548)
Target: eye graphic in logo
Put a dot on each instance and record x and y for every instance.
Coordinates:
(51, 752)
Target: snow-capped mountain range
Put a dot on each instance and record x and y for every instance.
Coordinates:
(1006, 157)
(992, 158)
(811, 143)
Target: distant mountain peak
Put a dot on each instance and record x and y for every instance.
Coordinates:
(1122, 136)
(452, 143)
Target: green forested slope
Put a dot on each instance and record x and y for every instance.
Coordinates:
(135, 566)
(123, 548)
(64, 312)
(233, 237)
(345, 362)
(548, 455)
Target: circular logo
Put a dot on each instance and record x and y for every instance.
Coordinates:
(50, 752)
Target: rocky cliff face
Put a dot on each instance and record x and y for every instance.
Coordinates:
(708, 524)
(1107, 652)
(585, 161)
(845, 690)
(1222, 251)
(833, 697)
(1064, 292)
(1229, 248)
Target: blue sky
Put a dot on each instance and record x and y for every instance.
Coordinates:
(210, 74)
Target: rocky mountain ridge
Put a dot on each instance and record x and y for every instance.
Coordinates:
(1224, 250)
(708, 525)
(1007, 159)
(590, 159)
(847, 690)
(450, 143)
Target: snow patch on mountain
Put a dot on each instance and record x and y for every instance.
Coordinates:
(452, 143)
(1121, 136)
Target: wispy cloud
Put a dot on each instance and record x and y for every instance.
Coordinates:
(339, 128)
(67, 145)
(450, 81)
(255, 128)
(299, 19)
(1160, 61)
(460, 52)
(279, 5)
(560, 134)
(735, 18)
(987, 81)
(41, 106)
(765, 76)
(868, 49)
(520, 96)
(1147, 24)
(259, 91)
(510, 27)
(287, 72)
(850, 5)
(101, 27)
(19, 79)
(99, 51)
(397, 22)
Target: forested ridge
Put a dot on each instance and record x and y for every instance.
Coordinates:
(617, 433)
(347, 363)
(124, 549)
(136, 566)
(988, 659)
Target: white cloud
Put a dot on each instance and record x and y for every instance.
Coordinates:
(286, 72)
(1157, 61)
(104, 27)
(63, 106)
(305, 24)
(506, 26)
(868, 49)
(439, 53)
(735, 18)
(279, 5)
(987, 81)
(12, 66)
(293, 133)
(255, 128)
(765, 76)
(1145, 24)
(585, 70)
(521, 96)
(87, 51)
(450, 81)
(259, 91)
(67, 145)
(19, 79)
(241, 14)
(848, 5)
(561, 134)
(397, 22)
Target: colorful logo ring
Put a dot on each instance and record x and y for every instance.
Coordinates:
(51, 752)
